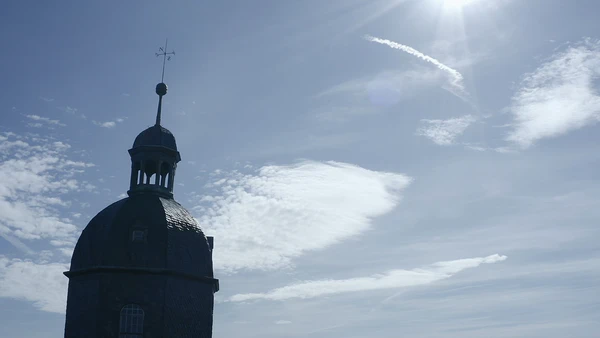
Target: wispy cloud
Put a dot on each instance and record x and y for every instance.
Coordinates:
(108, 124)
(17, 243)
(41, 283)
(559, 96)
(72, 111)
(457, 77)
(36, 175)
(444, 132)
(44, 120)
(389, 280)
(264, 219)
(46, 99)
(401, 83)
(68, 109)
(367, 95)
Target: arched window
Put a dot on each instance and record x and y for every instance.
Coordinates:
(164, 171)
(131, 324)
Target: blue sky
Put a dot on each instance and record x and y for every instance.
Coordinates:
(375, 168)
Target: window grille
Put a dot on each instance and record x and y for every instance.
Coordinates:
(131, 324)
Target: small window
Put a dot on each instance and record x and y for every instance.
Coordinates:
(138, 236)
(131, 324)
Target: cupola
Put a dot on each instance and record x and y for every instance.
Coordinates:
(154, 157)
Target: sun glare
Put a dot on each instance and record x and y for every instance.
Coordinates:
(457, 4)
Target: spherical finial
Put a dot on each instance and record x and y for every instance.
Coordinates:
(161, 89)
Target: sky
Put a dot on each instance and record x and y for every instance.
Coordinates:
(368, 168)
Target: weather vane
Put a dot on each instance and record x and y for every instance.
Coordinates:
(166, 57)
(161, 88)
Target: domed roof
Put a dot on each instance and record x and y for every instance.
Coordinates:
(144, 231)
(156, 135)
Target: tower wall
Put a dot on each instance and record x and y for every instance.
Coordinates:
(82, 304)
(122, 289)
(173, 306)
(188, 309)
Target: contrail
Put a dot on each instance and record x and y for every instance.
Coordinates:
(17, 243)
(456, 75)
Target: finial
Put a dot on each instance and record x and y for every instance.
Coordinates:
(161, 88)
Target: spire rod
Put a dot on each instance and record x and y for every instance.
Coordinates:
(159, 112)
(161, 88)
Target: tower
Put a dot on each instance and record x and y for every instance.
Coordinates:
(142, 267)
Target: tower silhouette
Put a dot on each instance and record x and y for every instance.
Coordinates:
(142, 267)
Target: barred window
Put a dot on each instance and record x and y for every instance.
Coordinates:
(132, 322)
(138, 235)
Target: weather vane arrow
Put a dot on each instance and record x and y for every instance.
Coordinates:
(166, 57)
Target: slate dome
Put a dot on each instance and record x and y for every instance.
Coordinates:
(168, 238)
(157, 136)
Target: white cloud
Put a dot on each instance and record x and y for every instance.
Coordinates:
(263, 220)
(108, 124)
(45, 120)
(36, 174)
(559, 96)
(389, 280)
(283, 322)
(42, 284)
(67, 251)
(87, 186)
(457, 78)
(44, 256)
(444, 132)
